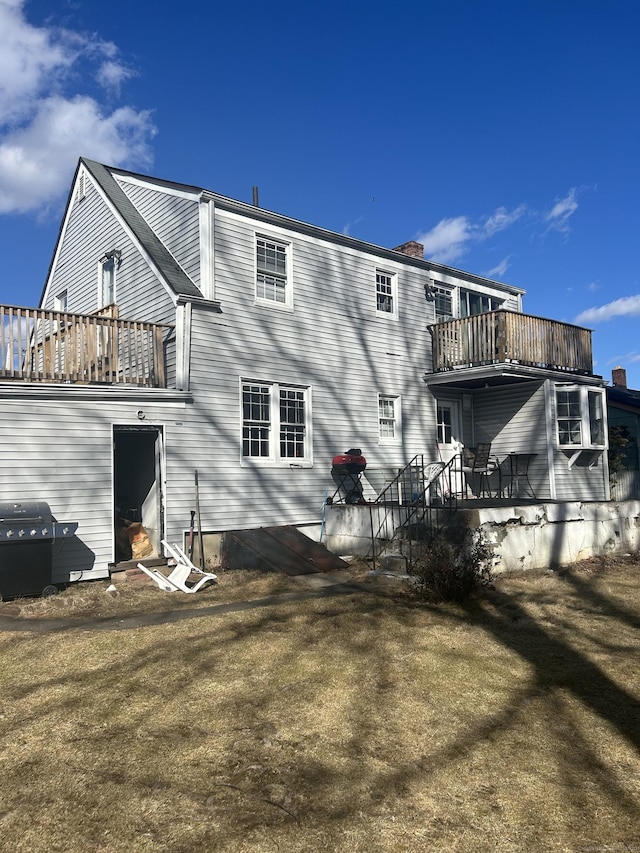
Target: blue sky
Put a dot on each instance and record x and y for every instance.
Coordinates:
(502, 135)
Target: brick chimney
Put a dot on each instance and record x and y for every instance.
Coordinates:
(619, 377)
(413, 249)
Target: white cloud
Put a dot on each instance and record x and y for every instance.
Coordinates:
(452, 238)
(347, 228)
(447, 240)
(593, 286)
(28, 173)
(558, 216)
(501, 219)
(112, 75)
(626, 306)
(627, 358)
(500, 269)
(45, 125)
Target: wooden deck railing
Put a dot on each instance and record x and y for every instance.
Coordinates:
(505, 336)
(55, 346)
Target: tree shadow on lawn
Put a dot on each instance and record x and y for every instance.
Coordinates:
(339, 710)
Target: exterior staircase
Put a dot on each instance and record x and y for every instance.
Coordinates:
(414, 508)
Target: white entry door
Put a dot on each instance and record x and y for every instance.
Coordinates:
(449, 437)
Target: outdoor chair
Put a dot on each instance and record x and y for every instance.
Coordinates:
(479, 466)
(176, 581)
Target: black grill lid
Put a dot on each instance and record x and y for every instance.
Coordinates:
(30, 510)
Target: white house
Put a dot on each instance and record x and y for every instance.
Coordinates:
(183, 331)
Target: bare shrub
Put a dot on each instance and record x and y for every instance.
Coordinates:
(453, 566)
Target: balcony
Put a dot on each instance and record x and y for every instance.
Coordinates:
(505, 337)
(55, 346)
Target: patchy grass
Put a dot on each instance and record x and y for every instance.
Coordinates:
(355, 723)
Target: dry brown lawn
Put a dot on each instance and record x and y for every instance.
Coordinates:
(354, 722)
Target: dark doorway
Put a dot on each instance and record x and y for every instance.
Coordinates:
(138, 487)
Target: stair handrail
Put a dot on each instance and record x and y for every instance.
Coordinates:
(418, 503)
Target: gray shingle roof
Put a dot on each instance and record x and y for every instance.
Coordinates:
(169, 268)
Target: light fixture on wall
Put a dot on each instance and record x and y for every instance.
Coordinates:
(141, 415)
(430, 290)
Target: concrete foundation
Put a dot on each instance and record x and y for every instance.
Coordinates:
(534, 536)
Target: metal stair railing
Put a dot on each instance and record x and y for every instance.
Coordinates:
(414, 502)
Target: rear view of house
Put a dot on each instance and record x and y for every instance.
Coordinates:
(182, 331)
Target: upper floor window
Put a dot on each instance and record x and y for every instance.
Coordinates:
(477, 303)
(386, 296)
(273, 284)
(61, 301)
(275, 423)
(580, 417)
(389, 418)
(443, 302)
(107, 278)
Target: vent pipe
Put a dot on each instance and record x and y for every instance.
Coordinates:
(255, 197)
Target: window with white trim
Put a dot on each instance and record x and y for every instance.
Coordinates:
(61, 301)
(580, 418)
(273, 285)
(443, 302)
(389, 424)
(107, 278)
(386, 293)
(275, 423)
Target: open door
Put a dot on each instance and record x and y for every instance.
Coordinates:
(138, 457)
(449, 438)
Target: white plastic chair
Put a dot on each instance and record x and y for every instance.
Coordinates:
(176, 581)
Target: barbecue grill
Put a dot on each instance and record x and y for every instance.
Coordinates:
(27, 533)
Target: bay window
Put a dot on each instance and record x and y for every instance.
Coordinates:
(580, 423)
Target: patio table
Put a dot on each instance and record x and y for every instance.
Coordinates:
(517, 472)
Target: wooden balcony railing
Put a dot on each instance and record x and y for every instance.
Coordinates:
(55, 346)
(505, 336)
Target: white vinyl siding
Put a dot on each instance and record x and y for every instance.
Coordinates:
(175, 220)
(343, 360)
(78, 484)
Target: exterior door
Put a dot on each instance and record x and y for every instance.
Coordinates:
(138, 484)
(449, 439)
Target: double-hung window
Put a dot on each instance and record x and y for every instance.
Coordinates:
(275, 423)
(273, 274)
(389, 423)
(580, 418)
(386, 294)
